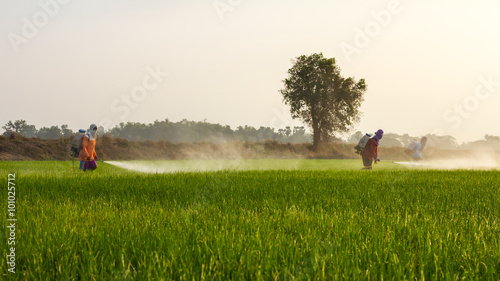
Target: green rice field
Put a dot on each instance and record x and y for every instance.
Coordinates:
(250, 220)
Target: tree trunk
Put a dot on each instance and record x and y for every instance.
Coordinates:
(316, 138)
(316, 133)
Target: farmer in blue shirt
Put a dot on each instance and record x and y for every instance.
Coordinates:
(418, 148)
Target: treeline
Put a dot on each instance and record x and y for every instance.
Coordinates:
(396, 140)
(176, 132)
(22, 128)
(190, 131)
(445, 142)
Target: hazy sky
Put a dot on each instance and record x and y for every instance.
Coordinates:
(430, 66)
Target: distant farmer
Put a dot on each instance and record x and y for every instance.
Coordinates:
(411, 147)
(370, 151)
(87, 154)
(418, 148)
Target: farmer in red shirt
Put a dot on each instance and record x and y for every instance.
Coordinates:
(370, 151)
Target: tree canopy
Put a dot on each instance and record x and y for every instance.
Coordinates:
(182, 131)
(324, 100)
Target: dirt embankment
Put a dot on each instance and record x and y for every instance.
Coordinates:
(20, 148)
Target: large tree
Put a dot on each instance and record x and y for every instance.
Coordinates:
(325, 101)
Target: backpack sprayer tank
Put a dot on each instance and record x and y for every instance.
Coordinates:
(358, 149)
(76, 143)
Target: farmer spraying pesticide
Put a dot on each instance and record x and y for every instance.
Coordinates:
(87, 153)
(415, 148)
(370, 151)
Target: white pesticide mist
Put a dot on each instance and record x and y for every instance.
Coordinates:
(206, 158)
(215, 156)
(478, 161)
(176, 166)
(139, 167)
(172, 166)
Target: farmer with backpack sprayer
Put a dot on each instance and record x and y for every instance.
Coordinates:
(87, 153)
(367, 149)
(370, 151)
(414, 148)
(76, 146)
